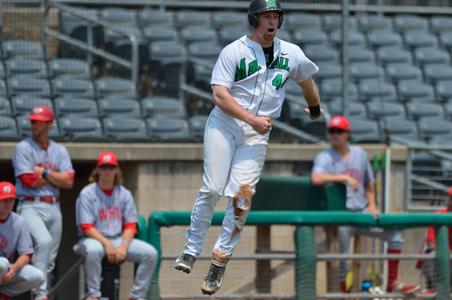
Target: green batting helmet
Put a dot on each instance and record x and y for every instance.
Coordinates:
(259, 6)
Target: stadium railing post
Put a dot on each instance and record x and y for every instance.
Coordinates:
(442, 263)
(306, 264)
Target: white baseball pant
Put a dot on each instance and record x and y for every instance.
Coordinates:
(234, 156)
(139, 252)
(45, 224)
(25, 279)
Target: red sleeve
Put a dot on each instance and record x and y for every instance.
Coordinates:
(430, 234)
(131, 226)
(86, 227)
(29, 179)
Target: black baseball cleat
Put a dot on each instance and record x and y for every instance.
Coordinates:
(213, 280)
(185, 262)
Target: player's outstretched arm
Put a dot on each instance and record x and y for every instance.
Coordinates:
(311, 94)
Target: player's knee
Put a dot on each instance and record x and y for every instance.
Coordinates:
(44, 243)
(242, 205)
(94, 253)
(37, 278)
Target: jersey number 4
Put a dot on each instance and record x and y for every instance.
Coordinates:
(277, 81)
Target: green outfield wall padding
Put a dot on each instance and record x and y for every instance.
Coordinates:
(142, 228)
(297, 193)
(306, 264)
(442, 263)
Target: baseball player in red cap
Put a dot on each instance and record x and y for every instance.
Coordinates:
(16, 248)
(350, 165)
(428, 266)
(106, 217)
(42, 167)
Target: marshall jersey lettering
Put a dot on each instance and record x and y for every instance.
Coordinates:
(242, 68)
(15, 238)
(107, 213)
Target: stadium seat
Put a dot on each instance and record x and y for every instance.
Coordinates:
(223, 19)
(443, 90)
(110, 85)
(332, 88)
(68, 85)
(364, 131)
(154, 17)
(229, 34)
(380, 109)
(394, 54)
(118, 16)
(445, 39)
(156, 33)
(70, 22)
(14, 48)
(67, 66)
(368, 23)
(75, 106)
(332, 22)
(112, 107)
(403, 71)
(399, 127)
(430, 127)
(302, 20)
(154, 106)
(376, 89)
(191, 34)
(412, 90)
(424, 56)
(29, 85)
(125, 129)
(25, 66)
(310, 36)
(405, 23)
(284, 35)
(5, 107)
(79, 129)
(448, 111)
(24, 128)
(364, 71)
(417, 110)
(2, 70)
(419, 39)
(440, 24)
(23, 104)
(186, 18)
(3, 89)
(316, 127)
(8, 129)
(197, 125)
(123, 48)
(354, 109)
(321, 53)
(355, 38)
(435, 73)
(328, 71)
(292, 88)
(167, 129)
(207, 52)
(358, 54)
(112, 35)
(378, 39)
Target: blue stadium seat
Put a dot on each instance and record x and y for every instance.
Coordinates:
(111, 107)
(3, 89)
(419, 39)
(5, 107)
(368, 23)
(379, 109)
(23, 104)
(67, 66)
(405, 23)
(418, 110)
(354, 109)
(155, 33)
(151, 17)
(229, 34)
(412, 90)
(167, 129)
(67, 85)
(448, 111)
(24, 128)
(365, 70)
(75, 106)
(445, 39)
(13, 48)
(154, 106)
(376, 89)
(2, 70)
(316, 127)
(378, 39)
(437, 72)
(394, 54)
(302, 20)
(284, 35)
(125, 128)
(118, 16)
(332, 22)
(365, 131)
(79, 129)
(310, 36)
(430, 127)
(223, 19)
(8, 129)
(440, 24)
(403, 71)
(399, 127)
(355, 38)
(319, 53)
(359, 54)
(424, 56)
(186, 18)
(110, 85)
(443, 90)
(29, 85)
(197, 33)
(328, 71)
(332, 88)
(25, 66)
(197, 125)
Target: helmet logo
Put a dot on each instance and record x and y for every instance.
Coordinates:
(6, 189)
(37, 110)
(107, 157)
(336, 121)
(271, 3)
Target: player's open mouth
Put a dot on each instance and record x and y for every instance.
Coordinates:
(271, 30)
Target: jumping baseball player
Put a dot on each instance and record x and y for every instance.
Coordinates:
(41, 168)
(106, 217)
(350, 165)
(16, 248)
(248, 91)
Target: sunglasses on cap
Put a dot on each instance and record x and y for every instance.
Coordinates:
(107, 167)
(335, 131)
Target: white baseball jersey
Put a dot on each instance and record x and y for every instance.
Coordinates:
(242, 68)
(107, 213)
(29, 154)
(15, 238)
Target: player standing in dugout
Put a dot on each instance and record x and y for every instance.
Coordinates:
(248, 87)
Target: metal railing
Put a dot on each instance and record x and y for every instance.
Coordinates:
(88, 46)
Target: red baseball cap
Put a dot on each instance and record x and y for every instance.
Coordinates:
(107, 158)
(41, 113)
(339, 122)
(449, 191)
(7, 191)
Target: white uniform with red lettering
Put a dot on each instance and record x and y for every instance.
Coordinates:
(40, 206)
(15, 240)
(108, 214)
